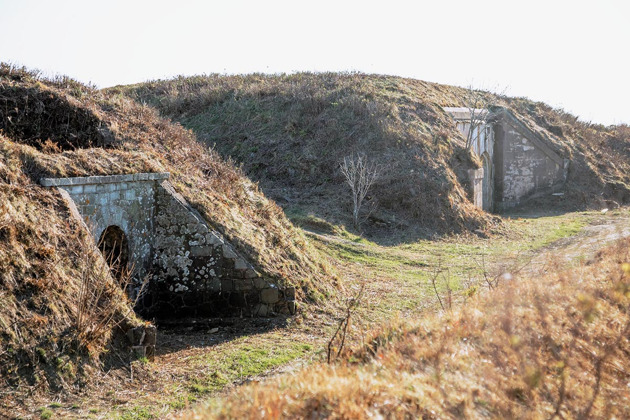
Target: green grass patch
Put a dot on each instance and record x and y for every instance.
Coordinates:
(137, 413)
(45, 413)
(410, 267)
(245, 358)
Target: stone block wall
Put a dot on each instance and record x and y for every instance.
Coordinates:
(197, 273)
(524, 165)
(191, 269)
(125, 201)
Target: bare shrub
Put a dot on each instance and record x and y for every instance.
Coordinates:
(342, 328)
(360, 174)
(477, 102)
(102, 303)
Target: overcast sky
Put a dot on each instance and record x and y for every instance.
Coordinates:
(570, 54)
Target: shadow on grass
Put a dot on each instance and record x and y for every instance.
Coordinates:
(178, 334)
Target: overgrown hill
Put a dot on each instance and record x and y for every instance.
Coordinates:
(516, 351)
(290, 132)
(59, 128)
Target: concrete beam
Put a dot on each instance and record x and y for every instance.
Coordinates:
(103, 179)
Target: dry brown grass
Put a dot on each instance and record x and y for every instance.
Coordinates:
(290, 132)
(62, 128)
(42, 343)
(555, 346)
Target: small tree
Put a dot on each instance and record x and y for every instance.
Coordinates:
(360, 175)
(478, 103)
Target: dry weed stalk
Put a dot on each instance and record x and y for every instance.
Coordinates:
(102, 302)
(439, 270)
(342, 328)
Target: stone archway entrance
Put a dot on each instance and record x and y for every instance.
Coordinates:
(487, 184)
(170, 261)
(115, 248)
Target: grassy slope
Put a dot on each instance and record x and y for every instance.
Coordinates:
(202, 365)
(45, 260)
(62, 128)
(290, 132)
(518, 351)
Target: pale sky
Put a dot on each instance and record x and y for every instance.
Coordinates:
(570, 54)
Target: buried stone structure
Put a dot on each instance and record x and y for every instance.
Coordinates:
(145, 228)
(518, 162)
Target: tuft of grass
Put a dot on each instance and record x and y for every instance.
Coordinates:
(137, 413)
(45, 413)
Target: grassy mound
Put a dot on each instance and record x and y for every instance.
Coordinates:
(518, 351)
(59, 128)
(290, 132)
(60, 307)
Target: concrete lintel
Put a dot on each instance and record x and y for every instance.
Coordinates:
(103, 179)
(464, 113)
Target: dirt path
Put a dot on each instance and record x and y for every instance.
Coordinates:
(603, 230)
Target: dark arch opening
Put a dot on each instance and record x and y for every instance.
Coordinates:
(115, 249)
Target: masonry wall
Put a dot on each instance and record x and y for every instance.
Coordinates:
(197, 273)
(522, 168)
(126, 201)
(191, 269)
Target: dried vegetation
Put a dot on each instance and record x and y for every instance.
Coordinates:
(551, 346)
(58, 128)
(290, 132)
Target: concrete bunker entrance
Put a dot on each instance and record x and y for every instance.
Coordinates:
(114, 246)
(172, 262)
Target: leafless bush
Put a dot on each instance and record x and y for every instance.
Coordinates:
(360, 174)
(342, 328)
(102, 303)
(477, 102)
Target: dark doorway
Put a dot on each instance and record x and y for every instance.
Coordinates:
(113, 244)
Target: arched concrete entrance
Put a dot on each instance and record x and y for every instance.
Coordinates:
(487, 185)
(115, 248)
(152, 237)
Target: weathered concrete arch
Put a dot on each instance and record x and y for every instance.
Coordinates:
(519, 162)
(191, 269)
